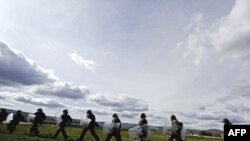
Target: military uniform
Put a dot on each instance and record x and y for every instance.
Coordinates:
(15, 121)
(39, 118)
(3, 115)
(66, 120)
(143, 121)
(91, 127)
(115, 132)
(176, 130)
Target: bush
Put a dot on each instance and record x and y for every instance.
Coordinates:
(205, 133)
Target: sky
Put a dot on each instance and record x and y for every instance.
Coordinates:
(189, 58)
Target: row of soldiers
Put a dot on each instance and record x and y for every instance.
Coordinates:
(66, 121)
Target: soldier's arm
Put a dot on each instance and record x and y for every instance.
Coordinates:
(70, 120)
(22, 118)
(44, 117)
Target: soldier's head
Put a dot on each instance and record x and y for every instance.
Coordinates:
(65, 111)
(89, 112)
(173, 117)
(40, 110)
(143, 115)
(225, 120)
(18, 111)
(115, 115)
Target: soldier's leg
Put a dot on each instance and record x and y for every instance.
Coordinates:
(109, 136)
(36, 131)
(64, 133)
(32, 129)
(117, 136)
(83, 134)
(57, 132)
(93, 133)
(11, 128)
(141, 138)
(171, 138)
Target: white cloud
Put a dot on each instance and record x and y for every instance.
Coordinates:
(230, 33)
(239, 108)
(225, 48)
(233, 31)
(120, 103)
(7, 104)
(197, 43)
(98, 111)
(128, 114)
(79, 60)
(2, 97)
(28, 99)
(196, 21)
(62, 90)
(17, 69)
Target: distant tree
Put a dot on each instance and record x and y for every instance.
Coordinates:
(217, 135)
(205, 133)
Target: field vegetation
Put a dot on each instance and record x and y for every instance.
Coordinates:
(47, 131)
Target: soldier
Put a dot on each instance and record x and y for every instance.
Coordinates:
(15, 121)
(226, 121)
(176, 129)
(3, 115)
(66, 120)
(39, 118)
(115, 131)
(143, 123)
(91, 127)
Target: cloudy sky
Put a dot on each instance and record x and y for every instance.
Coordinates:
(185, 57)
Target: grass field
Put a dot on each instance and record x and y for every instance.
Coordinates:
(47, 131)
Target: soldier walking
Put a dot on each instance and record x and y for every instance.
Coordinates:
(176, 129)
(39, 118)
(115, 130)
(91, 127)
(15, 121)
(3, 115)
(143, 124)
(66, 120)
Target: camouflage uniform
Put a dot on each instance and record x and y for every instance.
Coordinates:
(91, 127)
(3, 115)
(66, 120)
(15, 121)
(176, 129)
(143, 121)
(115, 132)
(39, 118)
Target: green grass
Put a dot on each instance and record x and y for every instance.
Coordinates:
(47, 131)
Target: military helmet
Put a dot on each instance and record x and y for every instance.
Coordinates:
(143, 115)
(65, 111)
(115, 115)
(89, 112)
(173, 117)
(39, 110)
(18, 111)
(225, 120)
